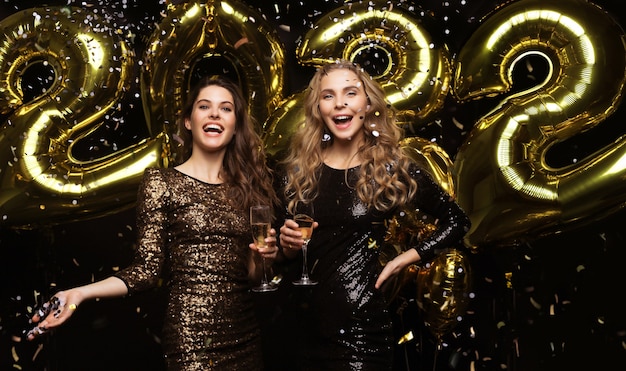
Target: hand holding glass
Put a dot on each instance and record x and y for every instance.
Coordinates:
(260, 221)
(304, 218)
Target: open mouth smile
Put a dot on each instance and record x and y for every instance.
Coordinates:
(212, 128)
(343, 119)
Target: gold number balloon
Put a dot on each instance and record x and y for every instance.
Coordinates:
(431, 158)
(204, 31)
(282, 123)
(503, 180)
(443, 291)
(42, 182)
(415, 71)
(409, 224)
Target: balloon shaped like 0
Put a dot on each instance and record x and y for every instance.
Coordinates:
(504, 182)
(443, 291)
(198, 31)
(416, 72)
(41, 182)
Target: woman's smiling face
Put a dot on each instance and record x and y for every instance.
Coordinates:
(213, 118)
(343, 104)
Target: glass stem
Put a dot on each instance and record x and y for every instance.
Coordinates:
(305, 265)
(264, 275)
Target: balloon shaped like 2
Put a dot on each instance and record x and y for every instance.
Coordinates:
(199, 33)
(41, 182)
(504, 182)
(282, 123)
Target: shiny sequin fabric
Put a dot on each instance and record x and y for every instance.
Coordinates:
(343, 323)
(192, 238)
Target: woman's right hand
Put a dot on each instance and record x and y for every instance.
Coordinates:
(291, 238)
(54, 312)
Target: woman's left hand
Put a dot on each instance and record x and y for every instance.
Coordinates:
(396, 265)
(270, 250)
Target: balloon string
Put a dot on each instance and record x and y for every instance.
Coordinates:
(406, 355)
(437, 349)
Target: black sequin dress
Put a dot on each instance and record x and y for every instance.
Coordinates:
(343, 323)
(192, 238)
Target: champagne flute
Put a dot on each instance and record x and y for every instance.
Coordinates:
(260, 221)
(304, 218)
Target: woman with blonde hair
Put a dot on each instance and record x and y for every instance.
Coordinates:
(346, 160)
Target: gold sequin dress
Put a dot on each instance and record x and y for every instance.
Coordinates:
(190, 236)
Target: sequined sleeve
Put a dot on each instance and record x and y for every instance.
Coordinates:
(144, 272)
(452, 222)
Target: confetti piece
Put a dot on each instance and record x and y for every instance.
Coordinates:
(241, 42)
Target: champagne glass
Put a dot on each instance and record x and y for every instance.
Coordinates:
(304, 218)
(260, 221)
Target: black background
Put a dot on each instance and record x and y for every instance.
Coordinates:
(553, 303)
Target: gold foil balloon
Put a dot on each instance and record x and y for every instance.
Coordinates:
(409, 225)
(198, 32)
(41, 181)
(403, 230)
(282, 123)
(432, 158)
(444, 284)
(413, 69)
(443, 291)
(504, 182)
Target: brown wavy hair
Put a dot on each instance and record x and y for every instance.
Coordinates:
(384, 181)
(245, 167)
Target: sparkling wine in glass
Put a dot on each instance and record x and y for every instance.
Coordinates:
(304, 218)
(260, 221)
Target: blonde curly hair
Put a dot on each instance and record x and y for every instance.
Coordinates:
(384, 181)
